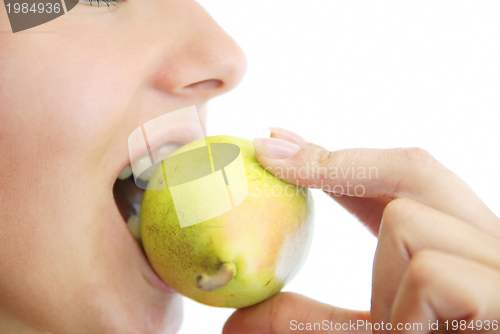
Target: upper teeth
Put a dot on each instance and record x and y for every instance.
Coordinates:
(139, 166)
(143, 168)
(167, 149)
(125, 173)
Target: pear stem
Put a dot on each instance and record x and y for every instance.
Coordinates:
(214, 282)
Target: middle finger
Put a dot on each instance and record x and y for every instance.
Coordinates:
(409, 227)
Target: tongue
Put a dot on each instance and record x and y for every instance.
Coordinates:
(128, 197)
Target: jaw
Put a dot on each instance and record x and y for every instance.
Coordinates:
(72, 253)
(119, 292)
(151, 306)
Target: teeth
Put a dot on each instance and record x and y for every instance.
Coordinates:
(133, 224)
(125, 173)
(143, 169)
(139, 166)
(167, 149)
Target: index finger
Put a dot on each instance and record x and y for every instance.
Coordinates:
(374, 173)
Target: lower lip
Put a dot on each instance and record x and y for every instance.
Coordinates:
(157, 282)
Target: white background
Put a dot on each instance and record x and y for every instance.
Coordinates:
(377, 74)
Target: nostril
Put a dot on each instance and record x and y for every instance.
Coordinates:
(205, 85)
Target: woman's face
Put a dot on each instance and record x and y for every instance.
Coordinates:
(71, 92)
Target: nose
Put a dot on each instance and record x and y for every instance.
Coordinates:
(201, 59)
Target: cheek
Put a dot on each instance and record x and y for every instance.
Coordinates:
(66, 103)
(69, 81)
(58, 116)
(62, 111)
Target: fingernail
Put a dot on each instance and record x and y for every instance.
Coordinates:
(275, 148)
(286, 135)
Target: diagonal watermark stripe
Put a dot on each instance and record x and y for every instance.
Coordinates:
(26, 14)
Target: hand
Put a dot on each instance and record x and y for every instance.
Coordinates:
(438, 255)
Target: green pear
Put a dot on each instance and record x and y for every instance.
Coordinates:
(257, 235)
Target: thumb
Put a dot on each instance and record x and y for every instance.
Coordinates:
(384, 174)
(290, 312)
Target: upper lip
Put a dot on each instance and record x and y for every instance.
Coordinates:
(179, 132)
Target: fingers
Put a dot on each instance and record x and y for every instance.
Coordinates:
(291, 137)
(289, 313)
(287, 135)
(373, 173)
(408, 228)
(439, 286)
(367, 210)
(373, 168)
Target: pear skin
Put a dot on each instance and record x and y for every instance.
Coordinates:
(239, 257)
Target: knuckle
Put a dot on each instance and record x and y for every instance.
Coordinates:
(395, 222)
(395, 211)
(333, 160)
(423, 269)
(327, 158)
(415, 155)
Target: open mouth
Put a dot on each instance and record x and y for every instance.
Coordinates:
(156, 139)
(128, 195)
(128, 199)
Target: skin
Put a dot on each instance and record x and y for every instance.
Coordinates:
(437, 254)
(71, 92)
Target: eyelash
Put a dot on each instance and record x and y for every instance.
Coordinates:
(107, 2)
